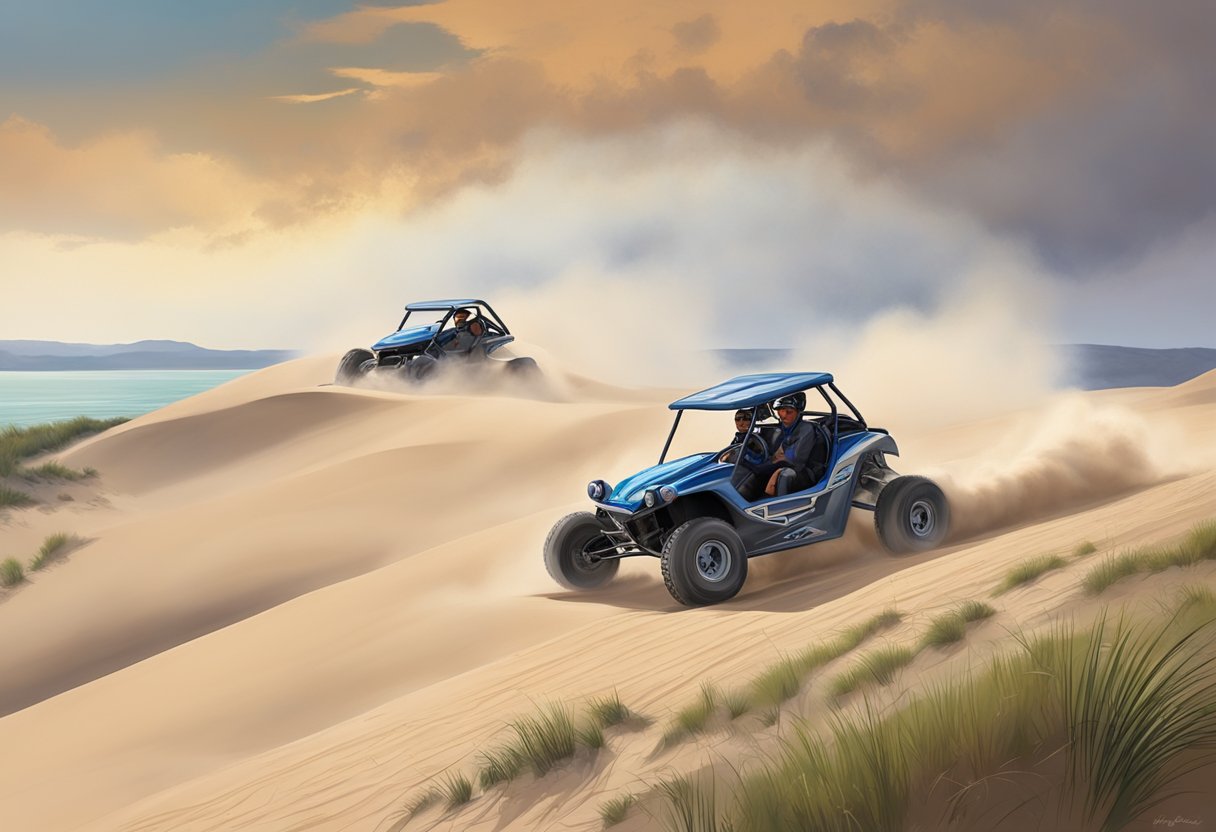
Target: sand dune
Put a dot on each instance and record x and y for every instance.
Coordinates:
(301, 602)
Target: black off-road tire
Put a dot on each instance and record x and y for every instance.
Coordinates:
(350, 368)
(723, 562)
(912, 515)
(422, 367)
(523, 367)
(564, 553)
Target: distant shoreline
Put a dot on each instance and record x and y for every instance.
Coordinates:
(56, 356)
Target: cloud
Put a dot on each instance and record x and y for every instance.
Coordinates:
(628, 257)
(698, 34)
(118, 185)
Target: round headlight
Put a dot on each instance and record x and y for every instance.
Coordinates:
(597, 490)
(650, 499)
(667, 493)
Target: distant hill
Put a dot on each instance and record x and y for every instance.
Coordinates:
(1098, 367)
(140, 355)
(1087, 366)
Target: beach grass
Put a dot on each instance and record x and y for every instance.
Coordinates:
(457, 790)
(1124, 708)
(952, 626)
(54, 546)
(20, 443)
(1028, 571)
(878, 667)
(1084, 549)
(607, 711)
(614, 811)
(501, 765)
(422, 802)
(12, 498)
(693, 718)
(1198, 545)
(53, 471)
(11, 572)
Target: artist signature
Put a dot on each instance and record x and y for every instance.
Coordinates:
(1177, 820)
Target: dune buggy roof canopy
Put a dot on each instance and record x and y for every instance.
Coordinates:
(750, 390)
(441, 305)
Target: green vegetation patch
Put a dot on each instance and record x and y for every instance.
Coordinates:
(614, 811)
(1125, 708)
(607, 711)
(878, 667)
(12, 498)
(1028, 571)
(17, 444)
(694, 718)
(1084, 549)
(1199, 544)
(457, 790)
(11, 572)
(952, 626)
(55, 546)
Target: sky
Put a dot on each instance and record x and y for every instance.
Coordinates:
(708, 173)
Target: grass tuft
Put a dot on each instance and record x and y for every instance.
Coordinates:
(1198, 545)
(11, 572)
(692, 719)
(777, 683)
(422, 802)
(53, 547)
(499, 766)
(877, 667)
(457, 790)
(1084, 549)
(607, 711)
(952, 626)
(769, 717)
(545, 739)
(737, 703)
(591, 735)
(614, 811)
(1196, 596)
(12, 498)
(1028, 571)
(52, 471)
(975, 611)
(690, 805)
(17, 444)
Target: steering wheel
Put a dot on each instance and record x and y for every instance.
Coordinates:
(753, 442)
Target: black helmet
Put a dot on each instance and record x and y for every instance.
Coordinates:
(794, 400)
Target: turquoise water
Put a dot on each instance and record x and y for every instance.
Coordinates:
(30, 398)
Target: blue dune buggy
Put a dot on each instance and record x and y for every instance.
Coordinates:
(691, 515)
(416, 352)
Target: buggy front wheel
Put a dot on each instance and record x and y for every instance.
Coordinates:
(704, 562)
(569, 548)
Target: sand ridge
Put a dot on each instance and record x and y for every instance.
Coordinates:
(313, 599)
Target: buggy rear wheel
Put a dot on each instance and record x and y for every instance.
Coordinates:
(566, 550)
(911, 515)
(350, 368)
(704, 562)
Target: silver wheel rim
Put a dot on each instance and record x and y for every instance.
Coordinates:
(713, 560)
(922, 518)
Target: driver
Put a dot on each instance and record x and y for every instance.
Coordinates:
(743, 419)
(790, 468)
(467, 337)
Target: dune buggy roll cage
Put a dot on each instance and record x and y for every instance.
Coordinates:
(832, 411)
(451, 307)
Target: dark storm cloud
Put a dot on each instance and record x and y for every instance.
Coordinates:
(1114, 156)
(697, 35)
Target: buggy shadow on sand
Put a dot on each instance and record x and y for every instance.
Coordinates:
(414, 353)
(689, 513)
